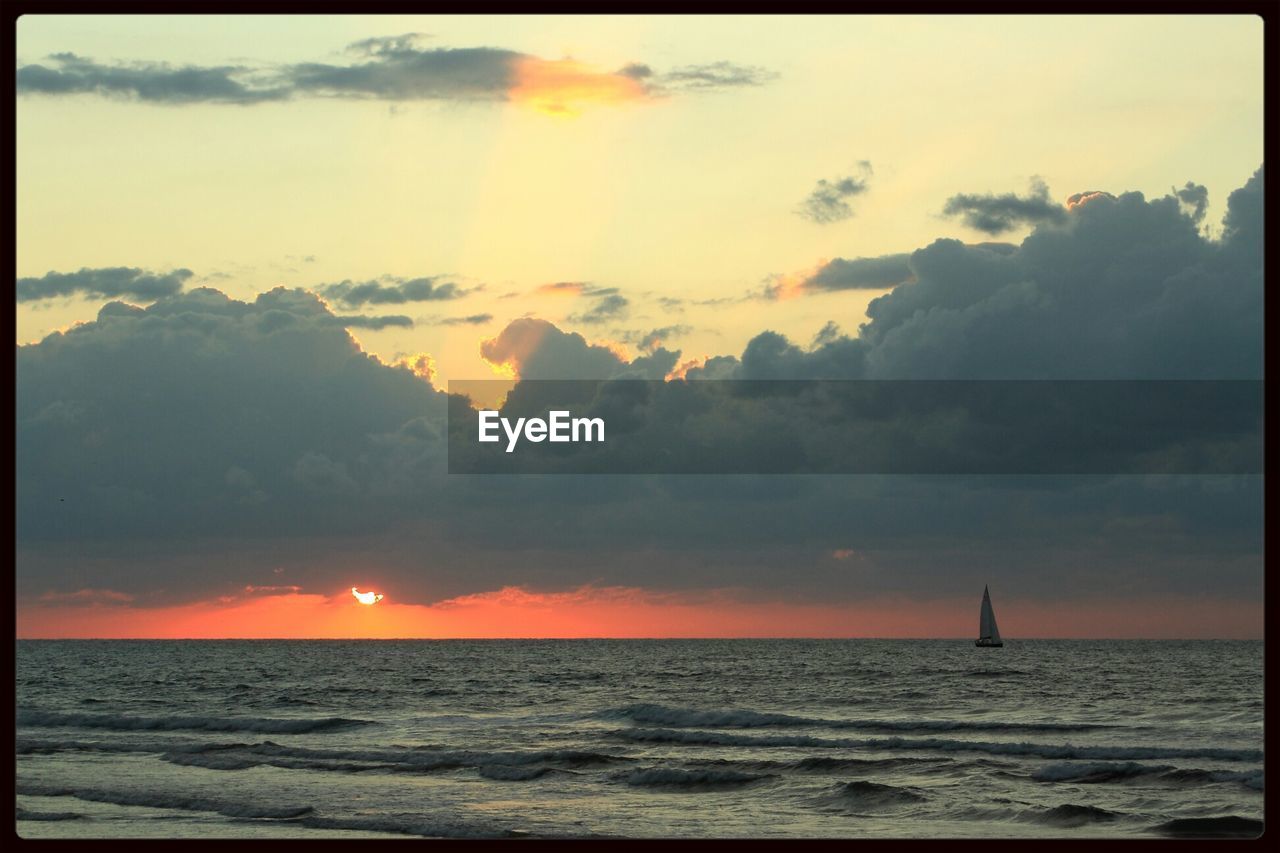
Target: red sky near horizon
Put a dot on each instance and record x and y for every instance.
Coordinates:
(618, 612)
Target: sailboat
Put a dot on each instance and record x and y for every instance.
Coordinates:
(988, 633)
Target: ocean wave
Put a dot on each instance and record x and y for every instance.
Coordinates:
(515, 773)
(1035, 750)
(1071, 815)
(386, 760)
(166, 800)
(862, 795)
(1104, 772)
(829, 763)
(26, 814)
(671, 777)
(662, 715)
(126, 723)
(407, 825)
(1228, 826)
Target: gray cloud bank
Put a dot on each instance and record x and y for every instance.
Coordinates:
(192, 447)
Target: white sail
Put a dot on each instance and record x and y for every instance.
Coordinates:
(987, 629)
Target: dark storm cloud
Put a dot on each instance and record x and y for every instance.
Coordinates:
(195, 445)
(996, 214)
(829, 201)
(186, 416)
(392, 291)
(109, 282)
(1122, 288)
(391, 68)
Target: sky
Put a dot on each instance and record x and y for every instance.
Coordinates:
(254, 251)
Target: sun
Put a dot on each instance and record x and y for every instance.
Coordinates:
(366, 597)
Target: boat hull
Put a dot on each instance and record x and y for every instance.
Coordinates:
(988, 644)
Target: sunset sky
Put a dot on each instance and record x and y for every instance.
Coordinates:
(252, 251)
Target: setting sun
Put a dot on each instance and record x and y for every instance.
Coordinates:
(366, 597)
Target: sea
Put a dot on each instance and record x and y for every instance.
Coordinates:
(638, 738)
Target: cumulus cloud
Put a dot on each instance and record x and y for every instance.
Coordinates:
(1194, 198)
(109, 282)
(536, 349)
(392, 291)
(996, 214)
(391, 68)
(829, 201)
(203, 413)
(1123, 287)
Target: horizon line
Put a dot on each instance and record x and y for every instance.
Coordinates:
(621, 639)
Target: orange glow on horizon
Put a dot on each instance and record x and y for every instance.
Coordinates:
(622, 612)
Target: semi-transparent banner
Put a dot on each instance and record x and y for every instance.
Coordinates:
(632, 426)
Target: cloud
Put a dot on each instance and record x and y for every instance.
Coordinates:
(391, 68)
(536, 349)
(157, 83)
(829, 201)
(202, 413)
(648, 341)
(397, 292)
(996, 214)
(468, 320)
(607, 306)
(709, 77)
(380, 322)
(192, 447)
(1195, 198)
(882, 273)
(109, 282)
(1122, 287)
(608, 302)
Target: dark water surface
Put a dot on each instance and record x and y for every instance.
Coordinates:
(727, 738)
